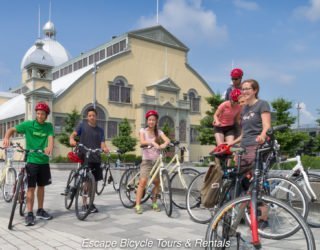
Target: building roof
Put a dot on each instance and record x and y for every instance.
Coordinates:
(7, 94)
(13, 107)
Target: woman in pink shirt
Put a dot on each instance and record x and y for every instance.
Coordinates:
(150, 136)
(226, 118)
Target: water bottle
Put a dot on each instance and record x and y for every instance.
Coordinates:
(150, 188)
(118, 162)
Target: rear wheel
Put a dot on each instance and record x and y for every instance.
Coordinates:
(8, 184)
(166, 194)
(196, 210)
(85, 196)
(179, 190)
(23, 196)
(70, 189)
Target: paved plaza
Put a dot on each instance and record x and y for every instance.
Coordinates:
(114, 227)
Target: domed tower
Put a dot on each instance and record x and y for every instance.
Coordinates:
(57, 52)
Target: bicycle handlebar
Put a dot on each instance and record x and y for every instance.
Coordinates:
(90, 149)
(271, 131)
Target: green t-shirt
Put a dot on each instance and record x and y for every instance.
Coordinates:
(36, 138)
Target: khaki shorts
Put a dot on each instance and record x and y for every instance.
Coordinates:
(145, 168)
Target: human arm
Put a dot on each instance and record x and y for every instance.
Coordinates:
(48, 150)
(165, 139)
(72, 141)
(266, 124)
(104, 147)
(6, 139)
(217, 114)
(237, 140)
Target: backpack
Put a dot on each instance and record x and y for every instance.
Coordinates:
(211, 186)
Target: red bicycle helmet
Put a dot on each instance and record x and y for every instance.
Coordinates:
(236, 73)
(73, 157)
(42, 106)
(152, 112)
(234, 95)
(222, 149)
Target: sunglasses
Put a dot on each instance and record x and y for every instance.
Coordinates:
(235, 79)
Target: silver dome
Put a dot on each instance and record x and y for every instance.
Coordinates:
(39, 56)
(49, 29)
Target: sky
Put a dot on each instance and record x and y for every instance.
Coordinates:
(275, 42)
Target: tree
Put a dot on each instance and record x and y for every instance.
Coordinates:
(282, 114)
(124, 141)
(70, 122)
(206, 136)
(168, 131)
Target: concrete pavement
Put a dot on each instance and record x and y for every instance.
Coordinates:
(114, 227)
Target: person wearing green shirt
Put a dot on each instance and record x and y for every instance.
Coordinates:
(39, 136)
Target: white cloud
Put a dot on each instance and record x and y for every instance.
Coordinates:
(305, 115)
(189, 21)
(310, 12)
(246, 5)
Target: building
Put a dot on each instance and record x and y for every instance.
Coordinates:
(134, 72)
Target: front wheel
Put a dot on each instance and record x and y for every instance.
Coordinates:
(70, 189)
(23, 196)
(8, 184)
(15, 200)
(85, 196)
(180, 184)
(166, 193)
(228, 228)
(101, 184)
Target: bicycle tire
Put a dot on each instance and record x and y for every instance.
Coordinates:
(129, 183)
(100, 185)
(179, 192)
(23, 197)
(313, 218)
(70, 190)
(196, 211)
(225, 227)
(166, 194)
(116, 181)
(8, 184)
(15, 201)
(85, 191)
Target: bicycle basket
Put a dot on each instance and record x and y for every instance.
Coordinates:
(73, 157)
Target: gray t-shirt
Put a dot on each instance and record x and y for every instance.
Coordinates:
(251, 122)
(91, 137)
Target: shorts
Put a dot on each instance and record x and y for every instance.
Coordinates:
(226, 130)
(38, 175)
(145, 168)
(96, 170)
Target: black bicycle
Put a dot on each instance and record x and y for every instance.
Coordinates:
(21, 187)
(81, 184)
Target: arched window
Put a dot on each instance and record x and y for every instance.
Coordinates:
(119, 91)
(194, 100)
(166, 123)
(183, 131)
(101, 116)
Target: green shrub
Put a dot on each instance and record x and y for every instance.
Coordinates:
(312, 162)
(60, 159)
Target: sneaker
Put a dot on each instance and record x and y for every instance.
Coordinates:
(263, 224)
(155, 207)
(139, 209)
(29, 219)
(93, 209)
(42, 214)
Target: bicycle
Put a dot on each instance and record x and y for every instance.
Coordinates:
(21, 186)
(226, 224)
(310, 183)
(8, 174)
(108, 177)
(80, 184)
(129, 183)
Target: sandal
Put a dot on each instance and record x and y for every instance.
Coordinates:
(155, 207)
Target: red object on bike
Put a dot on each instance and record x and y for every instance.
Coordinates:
(152, 112)
(42, 106)
(73, 157)
(234, 95)
(222, 149)
(236, 73)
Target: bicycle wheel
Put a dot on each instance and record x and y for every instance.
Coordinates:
(23, 196)
(179, 191)
(8, 184)
(85, 196)
(226, 230)
(166, 194)
(129, 183)
(101, 184)
(290, 192)
(314, 205)
(198, 213)
(15, 200)
(115, 178)
(70, 189)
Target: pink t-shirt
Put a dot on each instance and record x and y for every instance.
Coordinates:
(228, 113)
(150, 153)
